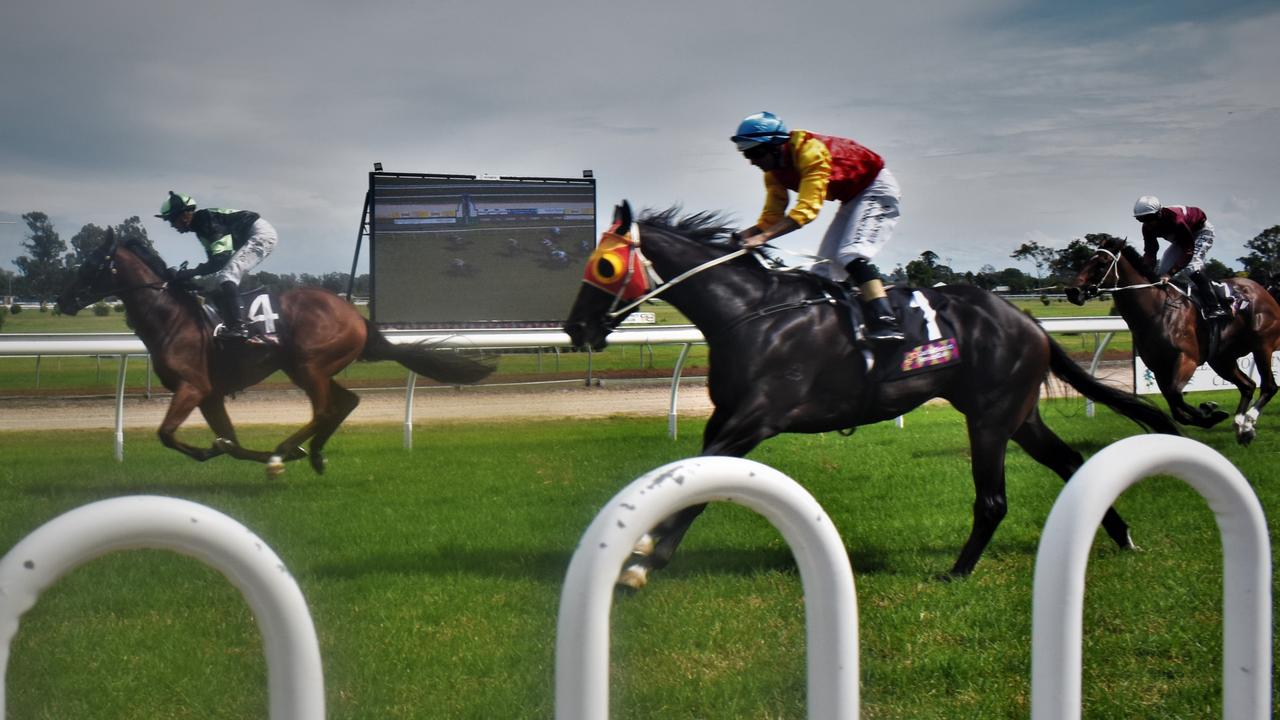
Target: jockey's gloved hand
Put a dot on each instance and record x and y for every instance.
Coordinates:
(182, 274)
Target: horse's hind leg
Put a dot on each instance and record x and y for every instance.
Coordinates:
(988, 446)
(342, 402)
(1230, 371)
(1246, 422)
(1046, 448)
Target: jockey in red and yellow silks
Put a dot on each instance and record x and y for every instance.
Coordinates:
(819, 168)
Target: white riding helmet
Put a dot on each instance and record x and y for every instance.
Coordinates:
(1146, 205)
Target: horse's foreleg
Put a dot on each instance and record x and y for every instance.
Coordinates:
(724, 435)
(214, 409)
(185, 399)
(1171, 388)
(1046, 448)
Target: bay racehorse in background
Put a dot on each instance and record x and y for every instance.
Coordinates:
(784, 358)
(1173, 339)
(319, 335)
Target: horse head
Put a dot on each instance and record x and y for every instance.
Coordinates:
(93, 280)
(615, 274)
(1096, 270)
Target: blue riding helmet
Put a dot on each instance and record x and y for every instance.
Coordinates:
(762, 128)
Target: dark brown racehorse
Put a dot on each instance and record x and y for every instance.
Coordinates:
(321, 335)
(1173, 340)
(782, 359)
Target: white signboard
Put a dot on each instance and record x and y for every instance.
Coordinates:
(1204, 378)
(640, 318)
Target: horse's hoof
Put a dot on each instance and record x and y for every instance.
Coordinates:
(644, 546)
(275, 467)
(1245, 438)
(634, 577)
(1208, 407)
(318, 463)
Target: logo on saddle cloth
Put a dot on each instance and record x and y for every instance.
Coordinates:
(931, 355)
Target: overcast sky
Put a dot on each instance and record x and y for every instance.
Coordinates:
(1004, 121)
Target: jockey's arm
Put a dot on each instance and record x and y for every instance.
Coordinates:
(213, 264)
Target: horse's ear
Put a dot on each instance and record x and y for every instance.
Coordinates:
(621, 218)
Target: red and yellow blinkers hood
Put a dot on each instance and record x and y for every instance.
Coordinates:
(616, 265)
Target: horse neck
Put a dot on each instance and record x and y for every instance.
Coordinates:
(711, 299)
(151, 307)
(1141, 303)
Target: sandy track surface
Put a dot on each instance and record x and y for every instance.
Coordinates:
(431, 404)
(377, 405)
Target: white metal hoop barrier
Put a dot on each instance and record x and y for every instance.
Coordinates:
(831, 612)
(1058, 595)
(295, 680)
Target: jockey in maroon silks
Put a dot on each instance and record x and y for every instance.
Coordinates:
(819, 168)
(1190, 236)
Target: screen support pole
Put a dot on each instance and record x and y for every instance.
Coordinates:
(355, 259)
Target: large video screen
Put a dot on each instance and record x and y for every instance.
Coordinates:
(460, 251)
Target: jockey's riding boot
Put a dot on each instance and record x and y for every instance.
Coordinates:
(233, 325)
(882, 324)
(1213, 309)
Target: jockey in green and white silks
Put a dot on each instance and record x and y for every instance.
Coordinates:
(234, 241)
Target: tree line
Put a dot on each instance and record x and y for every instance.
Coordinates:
(1056, 267)
(49, 263)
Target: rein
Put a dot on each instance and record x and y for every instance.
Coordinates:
(661, 287)
(1114, 268)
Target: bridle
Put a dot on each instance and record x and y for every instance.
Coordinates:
(108, 265)
(1114, 269)
(637, 262)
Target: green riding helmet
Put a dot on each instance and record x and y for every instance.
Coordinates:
(175, 204)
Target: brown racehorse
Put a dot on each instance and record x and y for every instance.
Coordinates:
(321, 334)
(1173, 340)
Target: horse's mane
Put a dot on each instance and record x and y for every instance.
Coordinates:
(146, 254)
(712, 229)
(708, 228)
(1131, 254)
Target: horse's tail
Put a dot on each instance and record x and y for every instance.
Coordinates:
(1129, 405)
(453, 367)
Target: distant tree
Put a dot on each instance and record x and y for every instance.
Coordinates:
(1035, 253)
(1218, 270)
(335, 282)
(132, 229)
(1068, 261)
(43, 268)
(921, 272)
(83, 243)
(1263, 261)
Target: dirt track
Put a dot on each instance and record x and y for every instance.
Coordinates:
(431, 404)
(380, 405)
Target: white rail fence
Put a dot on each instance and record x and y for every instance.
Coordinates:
(125, 344)
(295, 679)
